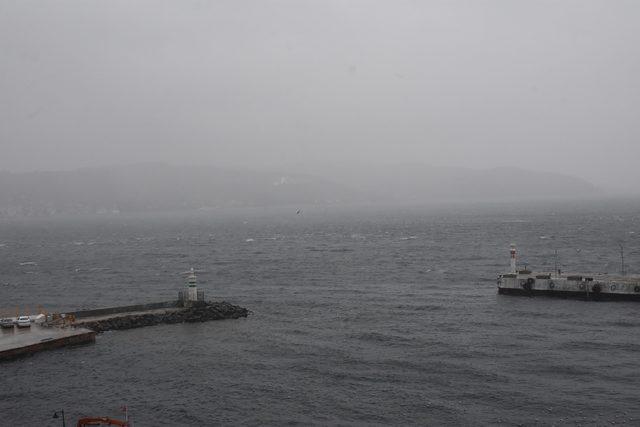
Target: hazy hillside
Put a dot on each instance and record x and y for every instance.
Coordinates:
(415, 182)
(149, 187)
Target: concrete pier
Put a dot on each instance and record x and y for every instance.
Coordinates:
(80, 327)
(16, 342)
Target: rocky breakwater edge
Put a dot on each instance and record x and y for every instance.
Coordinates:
(198, 312)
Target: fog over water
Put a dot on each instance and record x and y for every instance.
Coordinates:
(319, 86)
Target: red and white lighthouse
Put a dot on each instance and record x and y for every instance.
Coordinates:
(513, 258)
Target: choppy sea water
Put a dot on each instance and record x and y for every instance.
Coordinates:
(360, 317)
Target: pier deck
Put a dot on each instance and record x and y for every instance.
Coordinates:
(22, 342)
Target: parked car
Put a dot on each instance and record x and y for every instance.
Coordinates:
(6, 323)
(24, 322)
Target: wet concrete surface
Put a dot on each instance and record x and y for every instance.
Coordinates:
(82, 320)
(11, 339)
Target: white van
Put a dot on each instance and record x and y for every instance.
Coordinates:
(24, 322)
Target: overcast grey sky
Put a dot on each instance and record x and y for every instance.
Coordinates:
(547, 85)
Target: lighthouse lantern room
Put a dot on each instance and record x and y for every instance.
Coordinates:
(192, 288)
(190, 294)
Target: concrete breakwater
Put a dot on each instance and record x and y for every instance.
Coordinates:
(171, 313)
(108, 311)
(80, 327)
